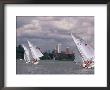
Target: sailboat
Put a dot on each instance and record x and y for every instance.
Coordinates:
(26, 54)
(36, 53)
(86, 52)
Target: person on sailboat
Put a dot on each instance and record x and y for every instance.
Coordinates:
(86, 52)
(35, 61)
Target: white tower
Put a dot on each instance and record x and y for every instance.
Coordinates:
(59, 48)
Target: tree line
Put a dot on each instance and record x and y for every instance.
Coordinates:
(47, 55)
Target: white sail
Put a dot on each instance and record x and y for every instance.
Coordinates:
(26, 54)
(87, 52)
(36, 54)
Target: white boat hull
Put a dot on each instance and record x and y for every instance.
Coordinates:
(88, 64)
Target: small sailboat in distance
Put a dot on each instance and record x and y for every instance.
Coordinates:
(36, 53)
(26, 54)
(86, 52)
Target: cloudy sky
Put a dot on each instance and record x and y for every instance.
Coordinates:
(47, 32)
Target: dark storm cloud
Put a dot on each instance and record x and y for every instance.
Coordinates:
(47, 32)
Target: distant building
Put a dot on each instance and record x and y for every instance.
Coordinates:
(58, 48)
(67, 50)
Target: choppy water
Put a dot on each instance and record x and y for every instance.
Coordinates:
(51, 67)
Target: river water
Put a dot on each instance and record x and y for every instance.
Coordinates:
(51, 67)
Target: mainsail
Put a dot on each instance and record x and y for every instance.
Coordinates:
(87, 52)
(26, 54)
(36, 53)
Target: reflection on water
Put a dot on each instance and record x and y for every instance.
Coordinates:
(51, 67)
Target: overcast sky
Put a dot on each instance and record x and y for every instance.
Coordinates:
(47, 32)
